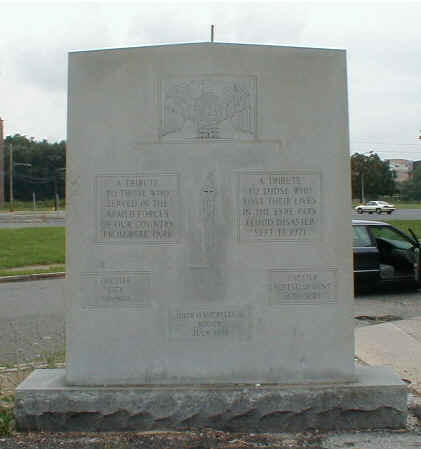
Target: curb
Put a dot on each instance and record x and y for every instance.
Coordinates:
(32, 277)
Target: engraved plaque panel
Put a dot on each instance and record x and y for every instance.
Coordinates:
(116, 289)
(302, 286)
(141, 208)
(208, 108)
(197, 324)
(278, 205)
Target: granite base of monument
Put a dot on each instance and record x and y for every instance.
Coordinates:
(378, 399)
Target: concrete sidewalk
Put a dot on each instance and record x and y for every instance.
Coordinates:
(397, 344)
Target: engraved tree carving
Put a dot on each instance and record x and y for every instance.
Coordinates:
(199, 108)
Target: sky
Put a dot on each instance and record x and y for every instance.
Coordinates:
(382, 41)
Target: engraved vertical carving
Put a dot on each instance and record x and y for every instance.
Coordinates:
(207, 279)
(208, 216)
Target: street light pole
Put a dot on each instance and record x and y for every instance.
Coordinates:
(362, 178)
(11, 167)
(362, 188)
(55, 187)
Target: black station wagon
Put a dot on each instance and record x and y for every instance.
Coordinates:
(384, 254)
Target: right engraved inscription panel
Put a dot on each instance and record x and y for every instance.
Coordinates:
(141, 208)
(208, 108)
(302, 286)
(276, 205)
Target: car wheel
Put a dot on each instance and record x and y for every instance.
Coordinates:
(370, 211)
(360, 211)
(378, 211)
(389, 212)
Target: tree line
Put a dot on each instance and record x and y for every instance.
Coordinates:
(371, 177)
(44, 172)
(38, 167)
(375, 178)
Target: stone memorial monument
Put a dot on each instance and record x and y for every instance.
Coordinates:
(209, 263)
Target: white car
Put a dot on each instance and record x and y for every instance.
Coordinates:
(376, 206)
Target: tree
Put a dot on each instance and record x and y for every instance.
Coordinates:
(44, 177)
(371, 176)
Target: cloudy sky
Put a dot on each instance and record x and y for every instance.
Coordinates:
(382, 42)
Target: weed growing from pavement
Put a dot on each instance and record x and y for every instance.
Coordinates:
(53, 359)
(115, 445)
(7, 415)
(10, 378)
(28, 350)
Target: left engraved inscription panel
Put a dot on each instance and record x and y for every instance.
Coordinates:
(116, 289)
(140, 208)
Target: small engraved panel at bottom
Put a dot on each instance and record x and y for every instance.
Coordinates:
(199, 323)
(302, 286)
(116, 289)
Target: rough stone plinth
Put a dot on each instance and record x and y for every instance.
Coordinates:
(377, 400)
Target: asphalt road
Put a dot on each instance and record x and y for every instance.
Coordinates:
(399, 214)
(24, 220)
(20, 220)
(17, 220)
(32, 316)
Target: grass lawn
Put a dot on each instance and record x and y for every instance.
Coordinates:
(44, 248)
(415, 225)
(31, 246)
(399, 205)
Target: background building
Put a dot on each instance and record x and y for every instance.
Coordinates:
(402, 167)
(416, 164)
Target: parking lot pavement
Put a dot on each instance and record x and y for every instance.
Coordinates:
(389, 304)
(31, 320)
(32, 315)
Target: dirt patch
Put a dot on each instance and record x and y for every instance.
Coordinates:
(378, 319)
(189, 439)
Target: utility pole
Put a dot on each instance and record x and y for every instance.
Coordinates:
(1, 164)
(11, 178)
(11, 167)
(362, 188)
(362, 177)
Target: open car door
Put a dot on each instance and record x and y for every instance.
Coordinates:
(417, 264)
